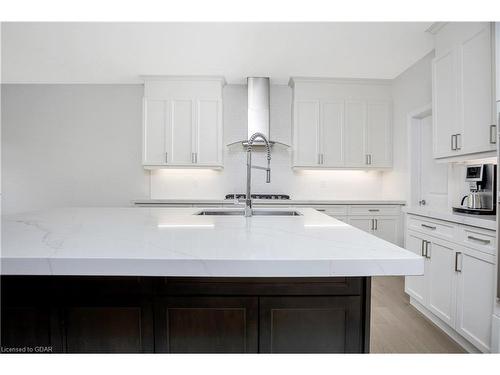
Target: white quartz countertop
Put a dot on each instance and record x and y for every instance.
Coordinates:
(177, 242)
(484, 221)
(285, 202)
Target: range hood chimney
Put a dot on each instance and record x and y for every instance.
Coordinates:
(258, 107)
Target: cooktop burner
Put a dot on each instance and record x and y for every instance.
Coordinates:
(258, 196)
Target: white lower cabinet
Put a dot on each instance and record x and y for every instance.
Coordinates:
(457, 286)
(474, 297)
(441, 273)
(384, 227)
(416, 286)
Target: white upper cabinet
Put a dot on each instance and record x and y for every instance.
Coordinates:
(341, 123)
(463, 93)
(182, 124)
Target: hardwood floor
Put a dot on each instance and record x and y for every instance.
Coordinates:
(397, 327)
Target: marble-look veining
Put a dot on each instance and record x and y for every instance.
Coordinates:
(485, 222)
(176, 242)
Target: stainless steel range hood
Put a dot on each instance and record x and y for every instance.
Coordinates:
(258, 108)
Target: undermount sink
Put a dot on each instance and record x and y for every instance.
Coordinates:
(242, 213)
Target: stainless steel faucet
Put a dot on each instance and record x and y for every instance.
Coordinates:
(251, 140)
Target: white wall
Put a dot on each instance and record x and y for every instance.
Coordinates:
(69, 145)
(89, 52)
(168, 184)
(411, 90)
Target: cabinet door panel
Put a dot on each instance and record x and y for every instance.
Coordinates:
(442, 280)
(378, 131)
(365, 223)
(475, 298)
(208, 132)
(355, 120)
(445, 106)
(310, 325)
(306, 148)
(476, 91)
(416, 286)
(26, 327)
(332, 133)
(99, 329)
(155, 132)
(207, 325)
(181, 134)
(386, 228)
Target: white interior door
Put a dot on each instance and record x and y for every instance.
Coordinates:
(433, 176)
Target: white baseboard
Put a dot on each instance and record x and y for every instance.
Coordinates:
(444, 327)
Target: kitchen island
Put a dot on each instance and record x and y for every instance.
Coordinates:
(172, 280)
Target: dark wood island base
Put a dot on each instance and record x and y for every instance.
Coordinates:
(84, 314)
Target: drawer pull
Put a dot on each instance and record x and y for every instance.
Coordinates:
(428, 226)
(373, 210)
(457, 254)
(320, 210)
(481, 240)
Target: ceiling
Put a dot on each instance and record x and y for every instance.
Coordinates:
(120, 52)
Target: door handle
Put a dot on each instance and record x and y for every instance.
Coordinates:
(427, 252)
(457, 254)
(493, 134)
(422, 250)
(428, 226)
(483, 241)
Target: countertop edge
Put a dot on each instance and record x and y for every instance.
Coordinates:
(454, 218)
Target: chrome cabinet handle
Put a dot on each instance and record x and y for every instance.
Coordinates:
(493, 131)
(166, 157)
(370, 157)
(376, 224)
(457, 254)
(366, 159)
(422, 250)
(319, 158)
(196, 157)
(483, 241)
(458, 144)
(428, 226)
(452, 146)
(373, 210)
(427, 252)
(372, 224)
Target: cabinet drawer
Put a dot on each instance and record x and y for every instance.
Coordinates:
(332, 210)
(374, 210)
(433, 227)
(478, 239)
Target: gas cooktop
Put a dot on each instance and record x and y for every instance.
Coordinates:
(258, 196)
